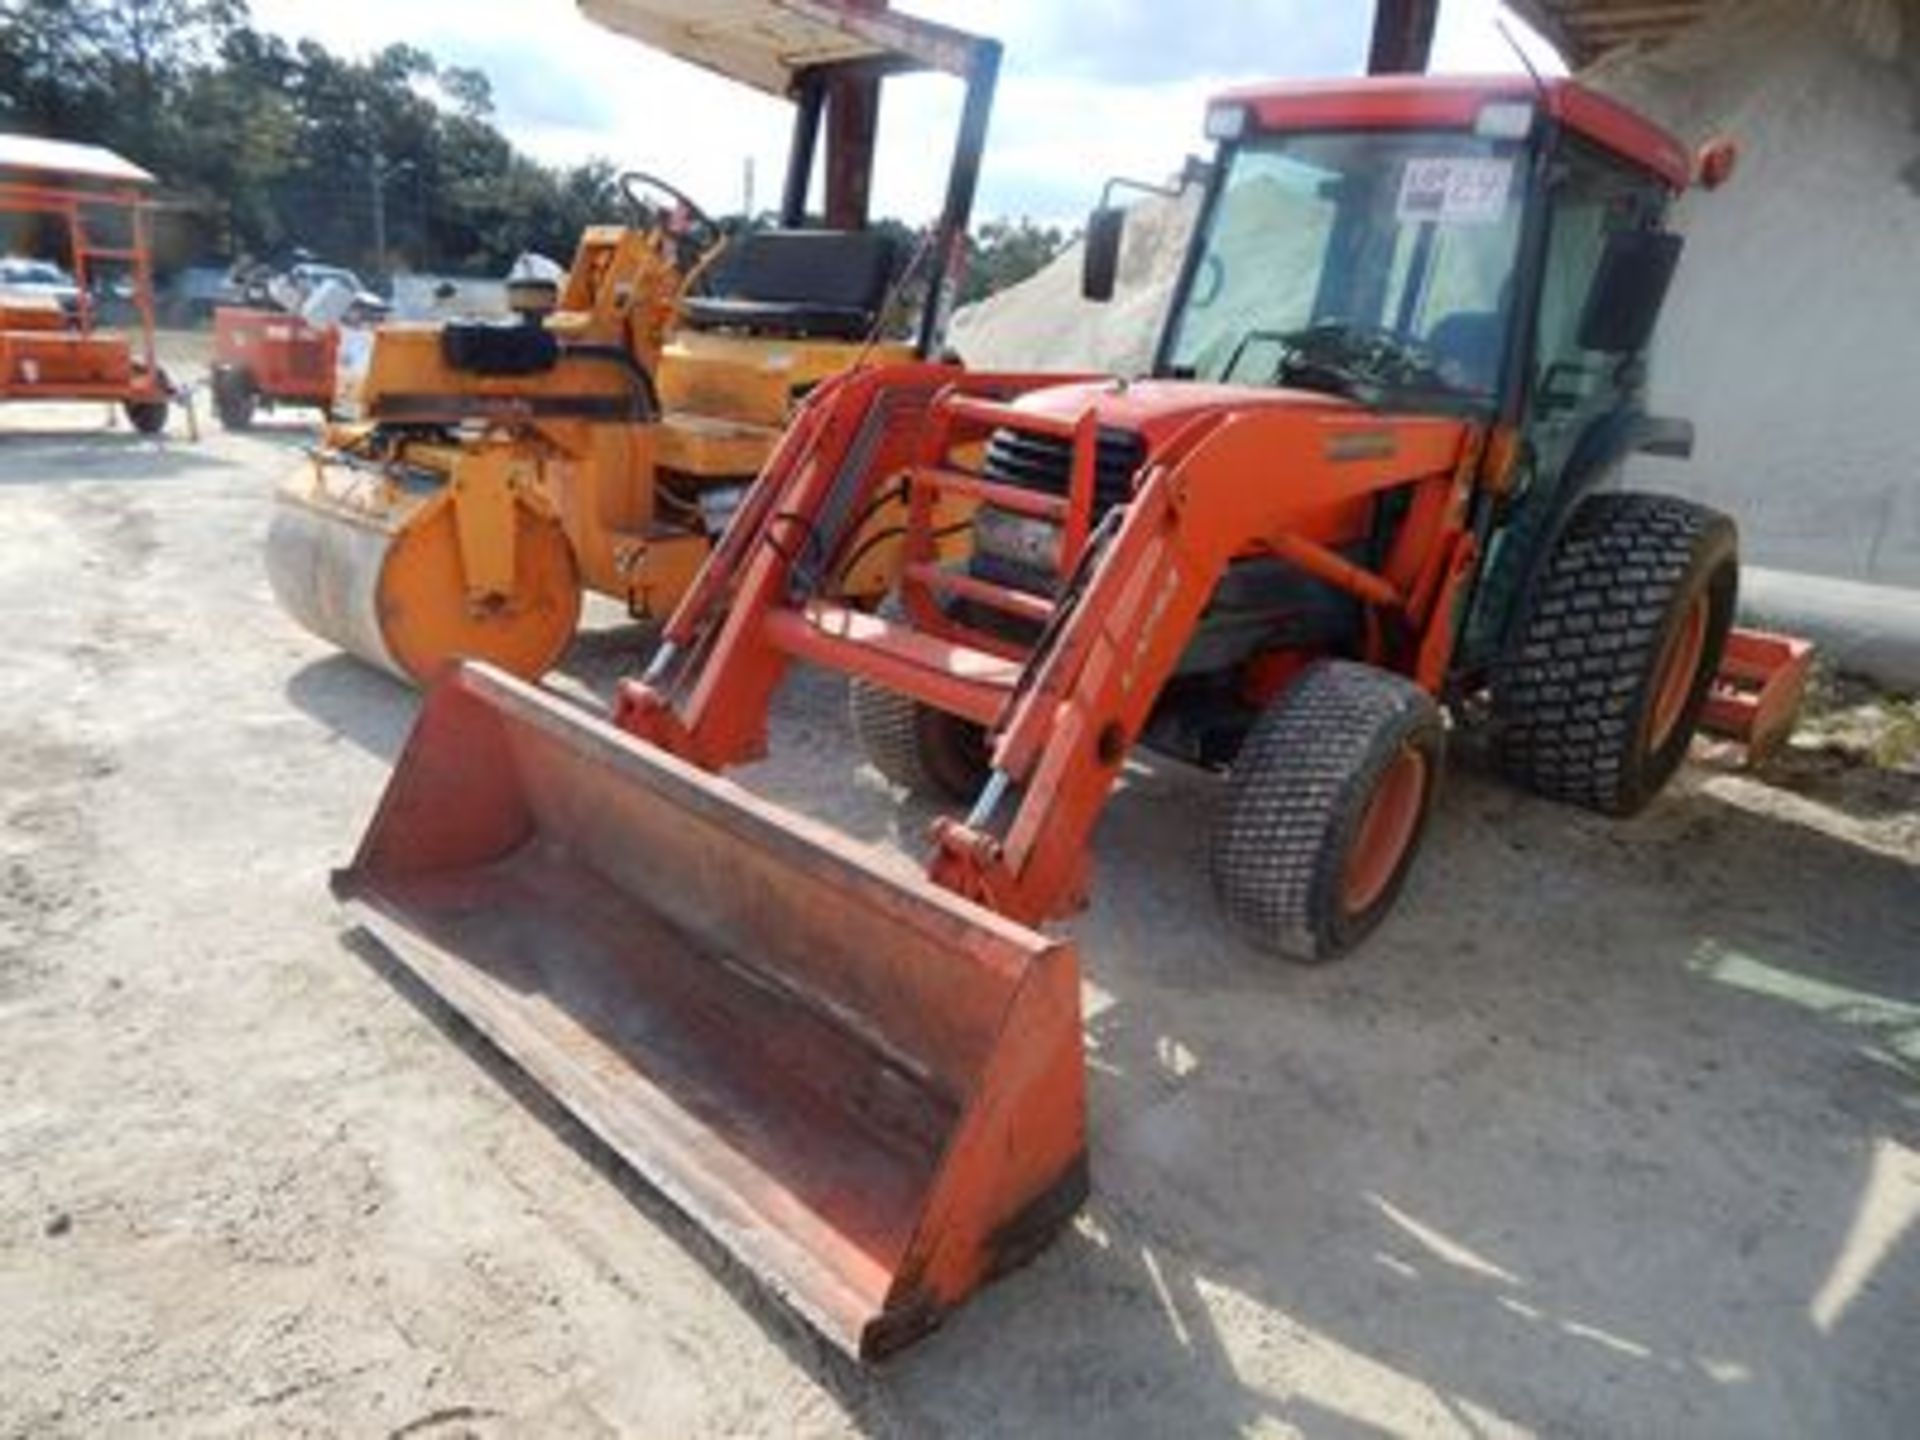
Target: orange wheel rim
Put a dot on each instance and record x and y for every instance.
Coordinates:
(1678, 668)
(1386, 830)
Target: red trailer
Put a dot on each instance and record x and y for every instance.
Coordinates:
(47, 352)
(265, 358)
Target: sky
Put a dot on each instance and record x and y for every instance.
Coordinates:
(1086, 91)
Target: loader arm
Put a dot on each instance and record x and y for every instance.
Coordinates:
(1232, 483)
(705, 697)
(1066, 735)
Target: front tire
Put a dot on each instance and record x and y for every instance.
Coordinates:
(148, 417)
(1326, 805)
(234, 399)
(935, 755)
(1598, 698)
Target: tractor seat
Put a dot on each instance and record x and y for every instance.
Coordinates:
(801, 284)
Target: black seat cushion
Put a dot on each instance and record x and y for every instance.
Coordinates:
(481, 347)
(801, 283)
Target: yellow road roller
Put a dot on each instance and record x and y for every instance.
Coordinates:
(490, 472)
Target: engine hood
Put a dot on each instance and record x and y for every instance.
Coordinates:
(1157, 409)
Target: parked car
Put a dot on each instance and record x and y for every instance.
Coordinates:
(22, 275)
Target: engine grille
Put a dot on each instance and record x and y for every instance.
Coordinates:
(1045, 463)
(1023, 552)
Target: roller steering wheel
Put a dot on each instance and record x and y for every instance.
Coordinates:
(692, 230)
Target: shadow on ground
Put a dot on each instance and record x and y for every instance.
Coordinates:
(366, 706)
(65, 457)
(357, 702)
(1614, 1150)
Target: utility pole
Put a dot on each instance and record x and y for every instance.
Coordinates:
(1402, 36)
(377, 178)
(746, 189)
(378, 174)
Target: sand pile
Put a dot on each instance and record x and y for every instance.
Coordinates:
(1043, 324)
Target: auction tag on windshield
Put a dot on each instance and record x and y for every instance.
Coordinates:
(1455, 190)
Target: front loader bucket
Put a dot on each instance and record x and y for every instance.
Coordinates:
(869, 1090)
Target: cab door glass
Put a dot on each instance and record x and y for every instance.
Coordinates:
(1592, 197)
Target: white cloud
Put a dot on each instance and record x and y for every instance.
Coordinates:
(1072, 109)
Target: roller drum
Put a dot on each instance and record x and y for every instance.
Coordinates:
(324, 567)
(377, 572)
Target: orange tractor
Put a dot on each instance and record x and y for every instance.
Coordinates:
(1367, 482)
(54, 349)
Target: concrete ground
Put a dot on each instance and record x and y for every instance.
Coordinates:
(1613, 1130)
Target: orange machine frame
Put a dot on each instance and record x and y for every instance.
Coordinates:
(620, 924)
(286, 361)
(87, 364)
(1062, 728)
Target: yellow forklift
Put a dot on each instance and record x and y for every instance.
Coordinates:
(491, 471)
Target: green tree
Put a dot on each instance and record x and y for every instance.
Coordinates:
(1001, 253)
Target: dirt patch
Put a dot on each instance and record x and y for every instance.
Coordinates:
(47, 886)
(1612, 1128)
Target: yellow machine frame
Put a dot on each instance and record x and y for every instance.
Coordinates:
(494, 473)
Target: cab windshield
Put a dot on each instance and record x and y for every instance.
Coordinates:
(1370, 263)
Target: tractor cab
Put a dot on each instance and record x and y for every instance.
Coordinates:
(1489, 249)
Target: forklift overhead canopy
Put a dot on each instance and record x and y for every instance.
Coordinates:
(768, 44)
(32, 159)
(830, 58)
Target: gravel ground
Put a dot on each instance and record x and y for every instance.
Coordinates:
(1614, 1129)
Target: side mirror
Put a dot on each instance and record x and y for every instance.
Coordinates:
(1628, 289)
(1713, 166)
(1100, 255)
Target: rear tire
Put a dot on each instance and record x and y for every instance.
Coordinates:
(234, 399)
(1598, 698)
(1325, 809)
(149, 417)
(933, 754)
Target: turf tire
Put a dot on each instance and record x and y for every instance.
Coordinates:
(1577, 698)
(1301, 793)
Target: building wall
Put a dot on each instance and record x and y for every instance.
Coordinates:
(1792, 338)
